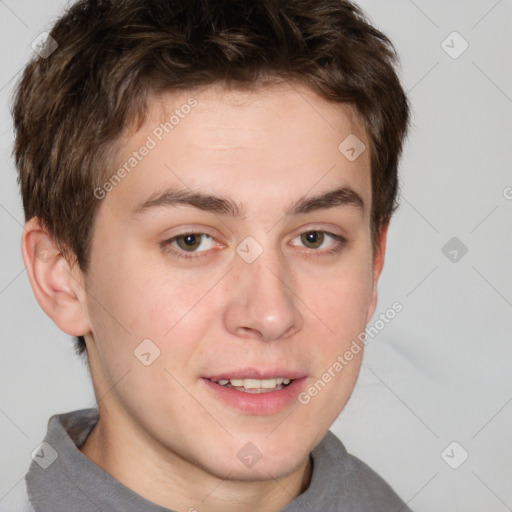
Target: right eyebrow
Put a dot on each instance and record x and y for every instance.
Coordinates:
(202, 201)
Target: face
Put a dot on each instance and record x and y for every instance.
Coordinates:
(200, 306)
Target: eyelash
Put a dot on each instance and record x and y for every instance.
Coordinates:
(166, 244)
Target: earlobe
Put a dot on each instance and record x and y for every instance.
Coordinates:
(57, 286)
(377, 266)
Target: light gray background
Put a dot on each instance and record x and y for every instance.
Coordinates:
(441, 370)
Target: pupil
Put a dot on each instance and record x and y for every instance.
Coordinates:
(314, 237)
(189, 241)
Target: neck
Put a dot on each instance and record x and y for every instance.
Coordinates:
(169, 481)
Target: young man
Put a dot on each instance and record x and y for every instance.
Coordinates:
(207, 188)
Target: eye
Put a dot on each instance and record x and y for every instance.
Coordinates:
(316, 239)
(188, 243)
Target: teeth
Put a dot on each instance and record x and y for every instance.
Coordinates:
(255, 383)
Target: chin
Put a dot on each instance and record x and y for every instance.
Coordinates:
(251, 463)
(262, 471)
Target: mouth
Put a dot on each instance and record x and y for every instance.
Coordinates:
(255, 386)
(256, 391)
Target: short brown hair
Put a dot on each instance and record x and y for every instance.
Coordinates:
(71, 106)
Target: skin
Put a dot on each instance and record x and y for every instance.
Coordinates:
(162, 433)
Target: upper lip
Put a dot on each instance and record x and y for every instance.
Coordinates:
(254, 373)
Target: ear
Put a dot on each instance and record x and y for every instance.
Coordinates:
(378, 263)
(58, 286)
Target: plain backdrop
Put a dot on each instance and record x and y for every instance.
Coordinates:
(432, 410)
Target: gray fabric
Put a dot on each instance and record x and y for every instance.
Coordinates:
(339, 483)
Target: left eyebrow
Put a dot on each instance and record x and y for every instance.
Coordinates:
(342, 196)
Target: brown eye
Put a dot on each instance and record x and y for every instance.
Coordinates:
(315, 238)
(187, 245)
(189, 241)
(321, 243)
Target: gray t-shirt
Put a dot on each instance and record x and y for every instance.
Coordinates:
(62, 479)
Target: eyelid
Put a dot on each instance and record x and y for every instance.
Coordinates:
(340, 243)
(167, 245)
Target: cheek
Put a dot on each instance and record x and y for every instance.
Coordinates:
(164, 303)
(342, 300)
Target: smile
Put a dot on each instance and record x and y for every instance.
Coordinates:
(255, 385)
(256, 392)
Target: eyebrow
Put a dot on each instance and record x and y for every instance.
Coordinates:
(342, 196)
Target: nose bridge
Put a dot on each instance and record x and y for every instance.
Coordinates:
(269, 277)
(262, 304)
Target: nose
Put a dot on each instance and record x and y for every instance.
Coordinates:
(262, 304)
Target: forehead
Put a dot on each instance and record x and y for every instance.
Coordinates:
(268, 143)
(255, 115)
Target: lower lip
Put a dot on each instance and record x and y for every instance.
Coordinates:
(258, 403)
